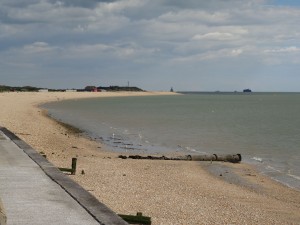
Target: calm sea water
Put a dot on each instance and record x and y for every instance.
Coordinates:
(263, 127)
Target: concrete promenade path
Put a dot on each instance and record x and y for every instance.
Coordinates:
(35, 192)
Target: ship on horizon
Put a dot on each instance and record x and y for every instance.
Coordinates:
(247, 90)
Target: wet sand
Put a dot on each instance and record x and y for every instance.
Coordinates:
(171, 192)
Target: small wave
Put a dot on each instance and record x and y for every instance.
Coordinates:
(284, 183)
(292, 182)
(274, 169)
(258, 159)
(190, 149)
(294, 176)
(195, 150)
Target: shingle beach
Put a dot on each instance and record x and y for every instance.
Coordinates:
(170, 192)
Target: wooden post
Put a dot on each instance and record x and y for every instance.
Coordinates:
(74, 163)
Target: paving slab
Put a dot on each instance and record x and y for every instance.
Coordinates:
(35, 192)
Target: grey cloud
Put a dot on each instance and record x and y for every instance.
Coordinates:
(145, 37)
(18, 3)
(80, 3)
(76, 3)
(211, 4)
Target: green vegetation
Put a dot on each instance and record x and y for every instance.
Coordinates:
(4, 88)
(118, 88)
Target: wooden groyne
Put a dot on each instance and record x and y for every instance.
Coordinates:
(233, 158)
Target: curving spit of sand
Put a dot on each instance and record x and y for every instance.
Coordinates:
(171, 192)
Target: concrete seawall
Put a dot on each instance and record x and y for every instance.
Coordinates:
(37, 192)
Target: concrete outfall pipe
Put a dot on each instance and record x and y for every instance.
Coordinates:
(233, 158)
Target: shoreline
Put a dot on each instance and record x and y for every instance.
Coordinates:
(169, 192)
(127, 146)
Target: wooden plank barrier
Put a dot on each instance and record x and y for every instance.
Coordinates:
(72, 170)
(138, 219)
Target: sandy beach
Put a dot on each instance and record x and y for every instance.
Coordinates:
(170, 192)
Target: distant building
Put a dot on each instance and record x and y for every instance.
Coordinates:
(71, 90)
(91, 89)
(43, 90)
(247, 90)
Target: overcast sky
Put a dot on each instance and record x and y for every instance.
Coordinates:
(197, 45)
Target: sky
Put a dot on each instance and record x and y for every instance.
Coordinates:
(190, 45)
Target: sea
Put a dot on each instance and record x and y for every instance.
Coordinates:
(263, 127)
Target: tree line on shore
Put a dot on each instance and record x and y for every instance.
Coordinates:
(5, 88)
